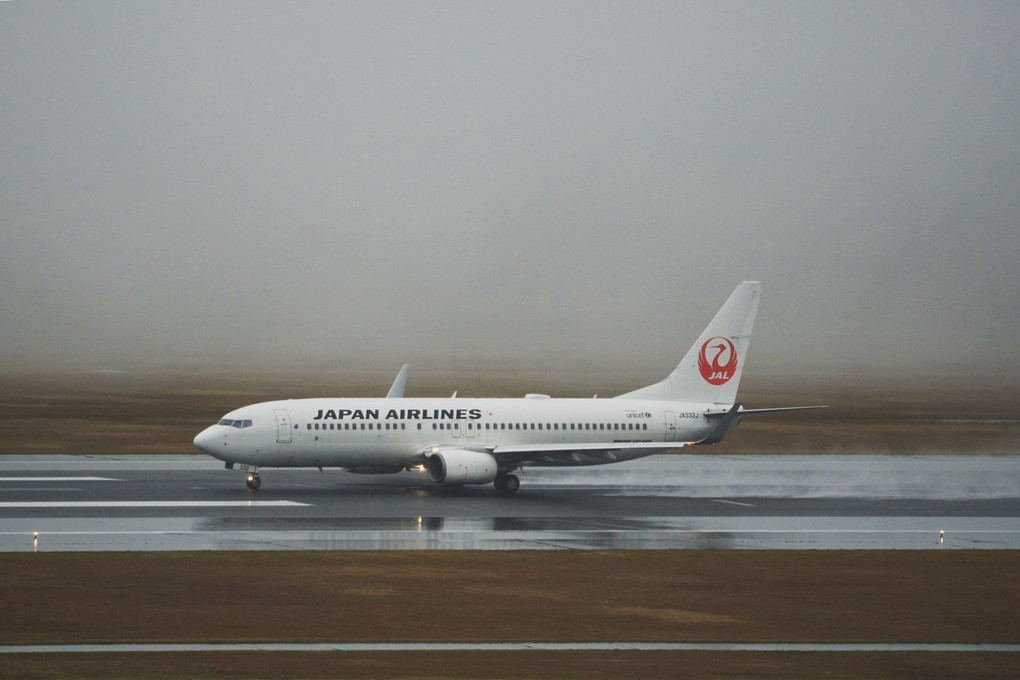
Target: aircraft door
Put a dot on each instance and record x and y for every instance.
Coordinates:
(283, 425)
(670, 427)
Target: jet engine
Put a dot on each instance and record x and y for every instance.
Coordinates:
(460, 466)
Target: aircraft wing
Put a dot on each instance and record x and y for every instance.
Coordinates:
(575, 454)
(579, 454)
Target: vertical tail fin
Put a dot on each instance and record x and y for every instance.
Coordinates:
(710, 372)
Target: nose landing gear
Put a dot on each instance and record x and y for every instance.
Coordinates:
(254, 481)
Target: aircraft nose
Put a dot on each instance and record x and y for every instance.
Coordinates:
(206, 440)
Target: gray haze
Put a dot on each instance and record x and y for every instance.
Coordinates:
(524, 183)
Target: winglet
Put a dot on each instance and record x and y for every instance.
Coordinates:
(397, 389)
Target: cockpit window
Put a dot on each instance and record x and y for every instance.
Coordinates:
(227, 422)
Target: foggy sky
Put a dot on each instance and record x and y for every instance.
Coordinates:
(525, 183)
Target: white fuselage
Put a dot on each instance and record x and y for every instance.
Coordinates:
(391, 434)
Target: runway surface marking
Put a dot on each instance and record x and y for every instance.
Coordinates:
(746, 505)
(148, 504)
(59, 479)
(37, 489)
(519, 646)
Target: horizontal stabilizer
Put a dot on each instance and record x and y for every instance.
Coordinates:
(781, 409)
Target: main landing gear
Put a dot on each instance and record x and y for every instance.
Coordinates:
(254, 481)
(507, 484)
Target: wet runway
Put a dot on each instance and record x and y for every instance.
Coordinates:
(50, 503)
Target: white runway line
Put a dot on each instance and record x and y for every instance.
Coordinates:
(148, 504)
(37, 489)
(518, 647)
(59, 479)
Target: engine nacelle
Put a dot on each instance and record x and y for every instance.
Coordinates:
(459, 466)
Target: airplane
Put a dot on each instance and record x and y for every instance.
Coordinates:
(461, 441)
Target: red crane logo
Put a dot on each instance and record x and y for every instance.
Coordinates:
(721, 367)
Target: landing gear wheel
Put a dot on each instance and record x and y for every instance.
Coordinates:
(254, 481)
(507, 484)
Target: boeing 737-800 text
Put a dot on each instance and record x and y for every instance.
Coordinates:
(484, 441)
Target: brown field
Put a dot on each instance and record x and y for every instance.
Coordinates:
(476, 596)
(821, 596)
(161, 411)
